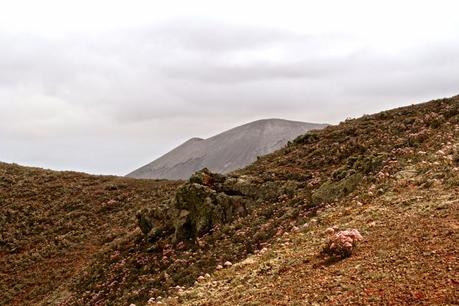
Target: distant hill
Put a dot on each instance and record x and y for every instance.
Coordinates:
(225, 152)
(256, 236)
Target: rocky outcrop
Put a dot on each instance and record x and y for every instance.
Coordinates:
(202, 203)
(210, 199)
(144, 222)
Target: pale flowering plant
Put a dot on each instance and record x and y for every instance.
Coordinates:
(341, 244)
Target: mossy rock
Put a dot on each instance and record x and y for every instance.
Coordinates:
(330, 190)
(207, 178)
(195, 211)
(198, 208)
(243, 186)
(307, 138)
(359, 164)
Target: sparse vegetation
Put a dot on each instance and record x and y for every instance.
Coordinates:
(341, 244)
(390, 175)
(52, 224)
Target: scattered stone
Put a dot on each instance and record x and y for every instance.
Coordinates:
(227, 264)
(144, 222)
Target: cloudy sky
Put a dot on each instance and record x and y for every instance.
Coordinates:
(106, 86)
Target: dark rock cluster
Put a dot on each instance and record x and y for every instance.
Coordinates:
(208, 200)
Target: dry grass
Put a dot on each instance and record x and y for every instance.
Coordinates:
(53, 223)
(393, 176)
(409, 257)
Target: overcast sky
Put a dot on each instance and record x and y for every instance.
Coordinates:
(107, 86)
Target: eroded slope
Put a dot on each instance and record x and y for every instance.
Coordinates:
(392, 175)
(53, 223)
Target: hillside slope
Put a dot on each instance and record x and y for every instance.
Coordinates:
(406, 207)
(409, 256)
(53, 223)
(225, 152)
(394, 176)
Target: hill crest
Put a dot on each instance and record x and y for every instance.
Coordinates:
(225, 152)
(394, 176)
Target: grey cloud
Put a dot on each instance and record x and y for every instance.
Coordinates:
(152, 87)
(214, 36)
(431, 70)
(263, 70)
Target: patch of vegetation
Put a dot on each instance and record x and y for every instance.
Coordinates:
(79, 233)
(331, 191)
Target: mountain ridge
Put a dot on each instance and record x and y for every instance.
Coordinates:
(224, 152)
(258, 232)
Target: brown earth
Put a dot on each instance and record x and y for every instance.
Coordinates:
(409, 257)
(394, 176)
(53, 223)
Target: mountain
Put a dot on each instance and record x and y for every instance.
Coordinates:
(225, 152)
(256, 236)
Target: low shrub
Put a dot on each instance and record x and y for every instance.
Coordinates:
(341, 244)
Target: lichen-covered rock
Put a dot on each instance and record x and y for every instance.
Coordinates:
(206, 178)
(309, 137)
(231, 206)
(249, 187)
(201, 204)
(196, 211)
(243, 185)
(144, 222)
(330, 190)
(210, 199)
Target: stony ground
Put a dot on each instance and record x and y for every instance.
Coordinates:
(52, 225)
(407, 212)
(72, 239)
(409, 256)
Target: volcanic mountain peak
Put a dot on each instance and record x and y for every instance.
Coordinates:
(225, 152)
